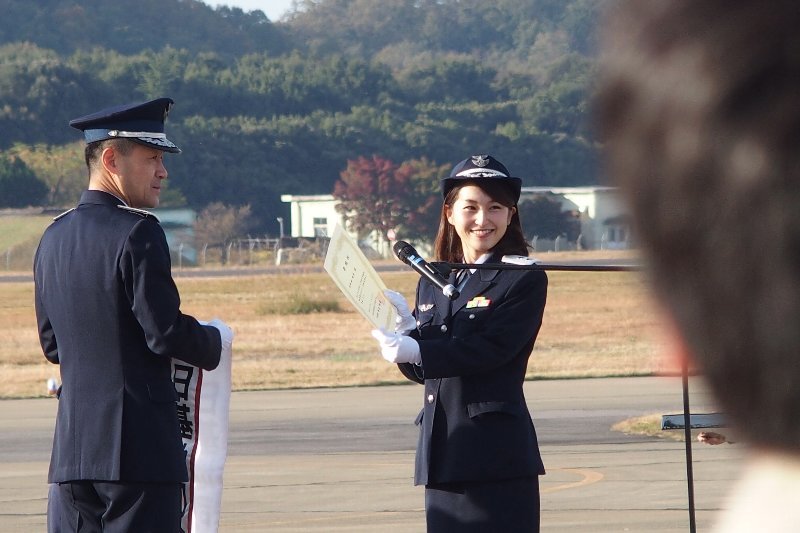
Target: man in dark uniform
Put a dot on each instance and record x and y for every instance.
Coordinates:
(109, 313)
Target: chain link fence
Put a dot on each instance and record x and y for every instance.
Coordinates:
(263, 251)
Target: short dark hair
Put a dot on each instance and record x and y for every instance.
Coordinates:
(93, 150)
(698, 107)
(447, 246)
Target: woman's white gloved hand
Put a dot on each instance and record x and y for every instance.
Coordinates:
(404, 322)
(397, 348)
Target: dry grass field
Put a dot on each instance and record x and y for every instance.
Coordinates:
(19, 236)
(595, 324)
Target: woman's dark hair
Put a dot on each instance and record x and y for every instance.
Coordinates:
(447, 246)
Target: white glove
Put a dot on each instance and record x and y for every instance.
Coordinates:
(404, 322)
(225, 332)
(397, 348)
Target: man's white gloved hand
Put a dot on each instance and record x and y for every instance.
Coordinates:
(225, 332)
(404, 322)
(52, 387)
(397, 348)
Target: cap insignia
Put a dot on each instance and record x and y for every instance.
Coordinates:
(480, 160)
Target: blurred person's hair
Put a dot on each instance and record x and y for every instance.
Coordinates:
(698, 105)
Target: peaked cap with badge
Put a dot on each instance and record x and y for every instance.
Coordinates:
(480, 167)
(142, 123)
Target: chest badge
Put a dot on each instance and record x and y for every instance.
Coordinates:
(424, 307)
(478, 301)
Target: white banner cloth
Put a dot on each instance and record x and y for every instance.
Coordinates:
(203, 406)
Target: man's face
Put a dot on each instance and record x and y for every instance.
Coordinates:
(140, 174)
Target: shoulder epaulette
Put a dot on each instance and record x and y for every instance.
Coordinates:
(140, 212)
(519, 260)
(64, 213)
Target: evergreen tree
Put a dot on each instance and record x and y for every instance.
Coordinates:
(19, 186)
(543, 217)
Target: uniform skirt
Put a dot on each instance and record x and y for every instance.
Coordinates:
(507, 506)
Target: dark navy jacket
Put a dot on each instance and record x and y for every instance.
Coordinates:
(475, 425)
(109, 313)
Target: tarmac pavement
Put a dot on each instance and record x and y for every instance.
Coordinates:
(342, 460)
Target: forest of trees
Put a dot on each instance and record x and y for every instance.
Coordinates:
(265, 108)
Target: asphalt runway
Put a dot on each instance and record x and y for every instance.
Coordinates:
(341, 460)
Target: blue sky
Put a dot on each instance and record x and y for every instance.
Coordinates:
(273, 9)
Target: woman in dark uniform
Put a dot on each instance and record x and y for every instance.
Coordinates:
(478, 455)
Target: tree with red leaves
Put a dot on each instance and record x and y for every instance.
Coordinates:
(376, 194)
(371, 194)
(424, 198)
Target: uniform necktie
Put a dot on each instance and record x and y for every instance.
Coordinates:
(461, 278)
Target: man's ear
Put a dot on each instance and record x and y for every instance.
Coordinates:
(109, 159)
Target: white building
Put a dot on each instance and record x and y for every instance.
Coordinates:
(315, 215)
(603, 219)
(312, 215)
(178, 225)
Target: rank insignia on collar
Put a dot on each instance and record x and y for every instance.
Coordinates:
(478, 301)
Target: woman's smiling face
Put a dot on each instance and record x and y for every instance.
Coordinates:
(478, 220)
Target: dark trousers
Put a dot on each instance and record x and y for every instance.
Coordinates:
(114, 507)
(503, 506)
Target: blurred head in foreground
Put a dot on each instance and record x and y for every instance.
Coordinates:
(699, 107)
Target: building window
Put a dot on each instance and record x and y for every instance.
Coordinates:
(320, 227)
(617, 234)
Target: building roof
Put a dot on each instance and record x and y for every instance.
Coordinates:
(569, 190)
(289, 198)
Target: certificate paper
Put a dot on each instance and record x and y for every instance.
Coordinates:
(353, 274)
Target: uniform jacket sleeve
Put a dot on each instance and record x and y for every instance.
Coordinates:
(46, 336)
(146, 271)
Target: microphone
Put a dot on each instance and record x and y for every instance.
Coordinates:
(408, 255)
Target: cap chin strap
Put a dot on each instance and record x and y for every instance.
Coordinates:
(119, 133)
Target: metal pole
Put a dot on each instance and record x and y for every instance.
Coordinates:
(571, 267)
(687, 432)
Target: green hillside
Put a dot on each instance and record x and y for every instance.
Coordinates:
(264, 109)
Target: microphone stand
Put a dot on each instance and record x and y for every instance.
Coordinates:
(445, 268)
